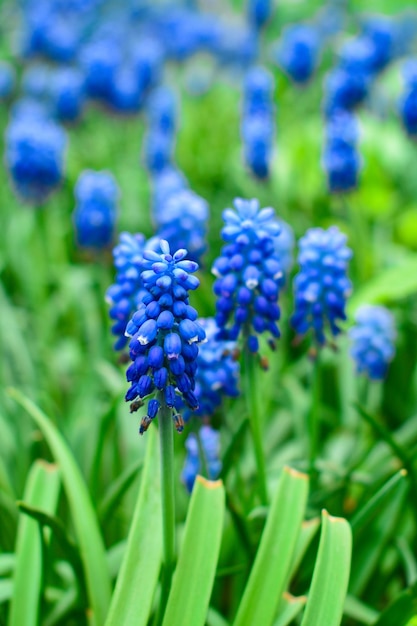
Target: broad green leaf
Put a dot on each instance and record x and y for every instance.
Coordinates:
(193, 578)
(87, 531)
(289, 608)
(402, 609)
(42, 490)
(117, 490)
(309, 529)
(389, 285)
(328, 589)
(359, 611)
(6, 589)
(61, 608)
(272, 566)
(132, 598)
(371, 507)
(215, 619)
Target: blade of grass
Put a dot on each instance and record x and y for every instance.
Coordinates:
(86, 527)
(276, 551)
(309, 529)
(194, 575)
(117, 490)
(42, 490)
(327, 594)
(289, 608)
(132, 598)
(357, 610)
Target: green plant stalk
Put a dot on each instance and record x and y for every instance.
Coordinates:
(253, 403)
(166, 440)
(314, 418)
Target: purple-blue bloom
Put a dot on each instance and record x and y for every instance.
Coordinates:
(341, 160)
(164, 335)
(321, 287)
(67, 92)
(210, 447)
(95, 212)
(126, 294)
(259, 12)
(249, 274)
(298, 53)
(373, 340)
(35, 149)
(408, 102)
(258, 124)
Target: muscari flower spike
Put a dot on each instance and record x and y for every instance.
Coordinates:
(322, 286)
(257, 125)
(408, 102)
(217, 373)
(210, 447)
(341, 160)
(298, 52)
(165, 333)
(96, 209)
(126, 294)
(373, 340)
(35, 149)
(249, 274)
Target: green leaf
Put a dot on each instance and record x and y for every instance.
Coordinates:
(309, 529)
(359, 611)
(193, 578)
(331, 574)
(132, 598)
(87, 531)
(289, 608)
(402, 609)
(117, 490)
(276, 551)
(42, 490)
(390, 285)
(6, 589)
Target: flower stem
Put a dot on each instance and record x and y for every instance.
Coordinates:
(253, 402)
(314, 418)
(166, 438)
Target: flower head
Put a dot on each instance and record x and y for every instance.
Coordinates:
(35, 156)
(373, 340)
(210, 447)
(67, 94)
(341, 160)
(408, 102)
(126, 294)
(164, 334)
(298, 52)
(322, 286)
(96, 209)
(249, 273)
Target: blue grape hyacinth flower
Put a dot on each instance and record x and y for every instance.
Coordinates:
(217, 373)
(341, 160)
(321, 287)
(298, 53)
(182, 221)
(259, 12)
(408, 102)
(35, 148)
(210, 447)
(95, 212)
(164, 335)
(373, 340)
(67, 92)
(126, 294)
(258, 125)
(249, 274)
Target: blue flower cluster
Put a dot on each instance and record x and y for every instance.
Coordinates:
(259, 12)
(408, 103)
(165, 333)
(298, 52)
(249, 274)
(373, 340)
(96, 209)
(67, 92)
(322, 286)
(160, 138)
(126, 294)
(210, 447)
(341, 160)
(35, 149)
(257, 126)
(7, 80)
(218, 372)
